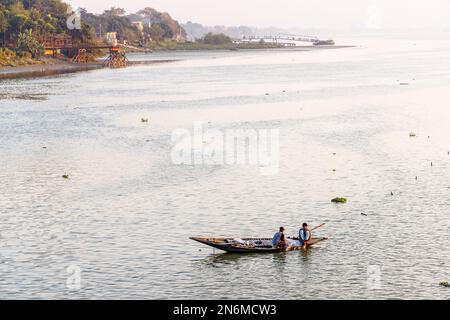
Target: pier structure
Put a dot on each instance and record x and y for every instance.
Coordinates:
(85, 54)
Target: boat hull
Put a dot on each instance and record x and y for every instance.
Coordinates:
(259, 245)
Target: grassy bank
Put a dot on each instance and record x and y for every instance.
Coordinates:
(9, 58)
(173, 45)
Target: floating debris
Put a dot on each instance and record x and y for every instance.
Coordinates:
(65, 176)
(444, 284)
(144, 120)
(339, 200)
(363, 214)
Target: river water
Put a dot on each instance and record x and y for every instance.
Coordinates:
(118, 228)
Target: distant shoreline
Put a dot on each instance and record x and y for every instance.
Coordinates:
(63, 67)
(257, 48)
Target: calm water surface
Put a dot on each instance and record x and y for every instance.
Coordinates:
(125, 214)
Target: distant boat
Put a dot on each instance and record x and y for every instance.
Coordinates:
(324, 43)
(249, 245)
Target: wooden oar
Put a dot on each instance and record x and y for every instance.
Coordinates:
(317, 227)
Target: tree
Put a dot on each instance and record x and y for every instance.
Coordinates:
(216, 39)
(115, 12)
(168, 33)
(85, 35)
(26, 42)
(147, 12)
(156, 32)
(17, 23)
(3, 26)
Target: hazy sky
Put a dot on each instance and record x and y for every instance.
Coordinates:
(342, 14)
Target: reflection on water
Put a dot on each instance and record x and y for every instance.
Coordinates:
(26, 96)
(126, 212)
(247, 260)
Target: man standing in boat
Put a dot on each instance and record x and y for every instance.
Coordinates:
(304, 235)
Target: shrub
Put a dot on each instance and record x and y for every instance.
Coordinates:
(216, 39)
(28, 43)
(6, 57)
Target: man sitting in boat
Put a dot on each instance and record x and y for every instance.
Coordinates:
(279, 240)
(304, 235)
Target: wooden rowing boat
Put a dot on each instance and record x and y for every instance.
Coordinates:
(250, 245)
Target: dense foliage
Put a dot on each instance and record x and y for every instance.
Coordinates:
(26, 42)
(216, 39)
(39, 18)
(25, 24)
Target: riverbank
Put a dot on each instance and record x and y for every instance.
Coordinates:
(45, 69)
(61, 67)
